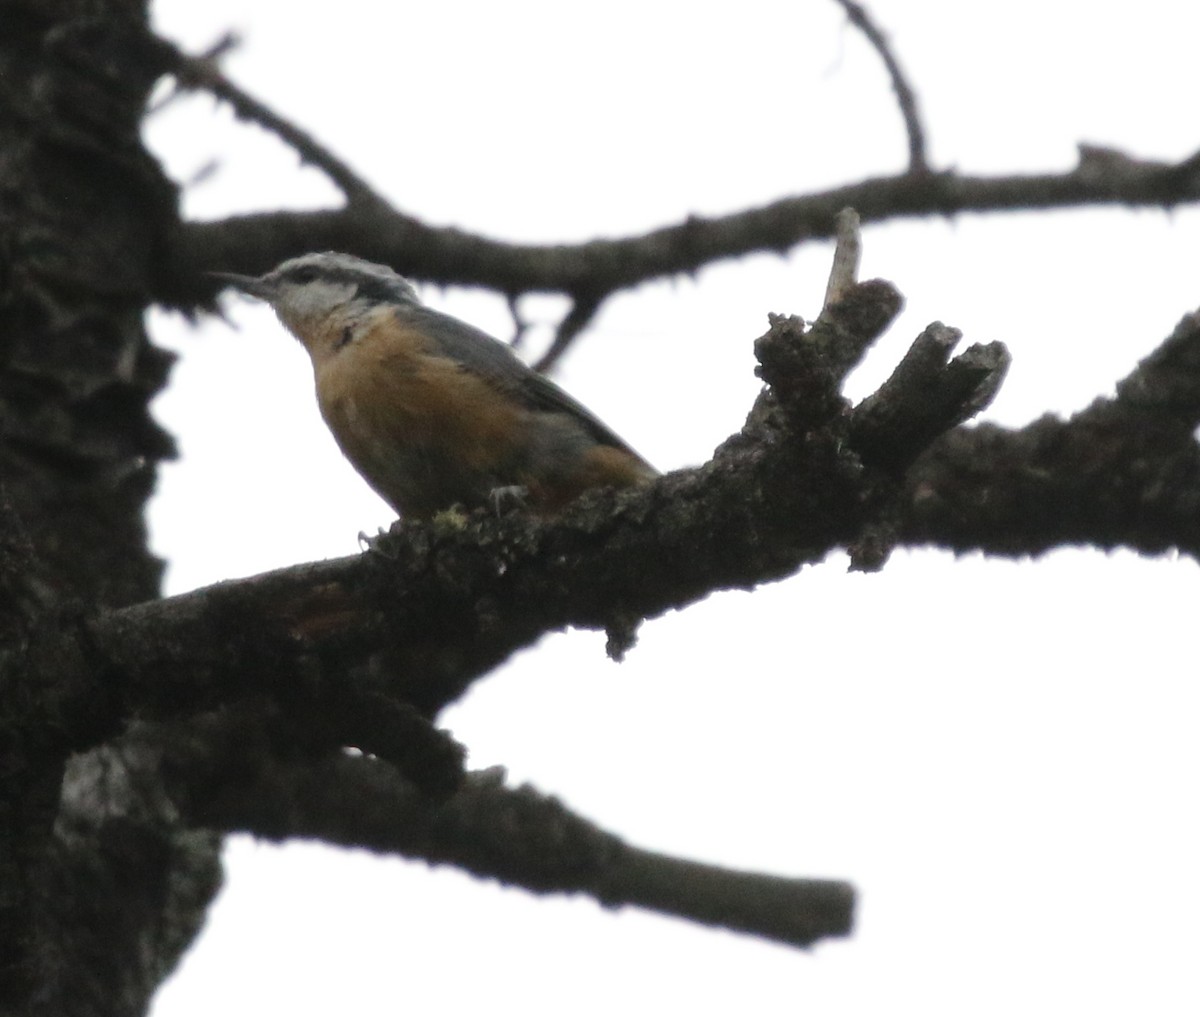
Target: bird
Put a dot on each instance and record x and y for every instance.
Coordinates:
(431, 411)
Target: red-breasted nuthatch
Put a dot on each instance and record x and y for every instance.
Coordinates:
(430, 410)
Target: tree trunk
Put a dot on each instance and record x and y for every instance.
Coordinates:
(100, 890)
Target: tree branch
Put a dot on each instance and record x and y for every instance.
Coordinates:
(583, 310)
(591, 272)
(443, 602)
(905, 96)
(926, 395)
(204, 72)
(225, 778)
(439, 604)
(1125, 471)
(255, 243)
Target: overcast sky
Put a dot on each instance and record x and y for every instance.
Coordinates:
(1001, 756)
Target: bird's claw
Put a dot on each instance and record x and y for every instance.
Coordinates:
(371, 545)
(511, 496)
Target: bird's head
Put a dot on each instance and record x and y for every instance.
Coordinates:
(316, 291)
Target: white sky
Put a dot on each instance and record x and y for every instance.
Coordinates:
(1001, 756)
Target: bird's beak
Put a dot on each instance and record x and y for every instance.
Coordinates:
(250, 284)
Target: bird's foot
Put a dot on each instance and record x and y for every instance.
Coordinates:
(505, 499)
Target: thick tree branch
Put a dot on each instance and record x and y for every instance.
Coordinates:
(226, 778)
(442, 603)
(1125, 471)
(340, 653)
(437, 605)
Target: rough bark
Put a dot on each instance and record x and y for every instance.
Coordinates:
(100, 888)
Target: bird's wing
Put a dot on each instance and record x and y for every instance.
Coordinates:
(492, 360)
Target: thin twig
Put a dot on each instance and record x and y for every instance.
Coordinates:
(226, 44)
(203, 73)
(860, 19)
(520, 325)
(843, 274)
(583, 310)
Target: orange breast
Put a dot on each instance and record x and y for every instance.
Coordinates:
(421, 430)
(427, 433)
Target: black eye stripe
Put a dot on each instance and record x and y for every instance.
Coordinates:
(302, 274)
(375, 288)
